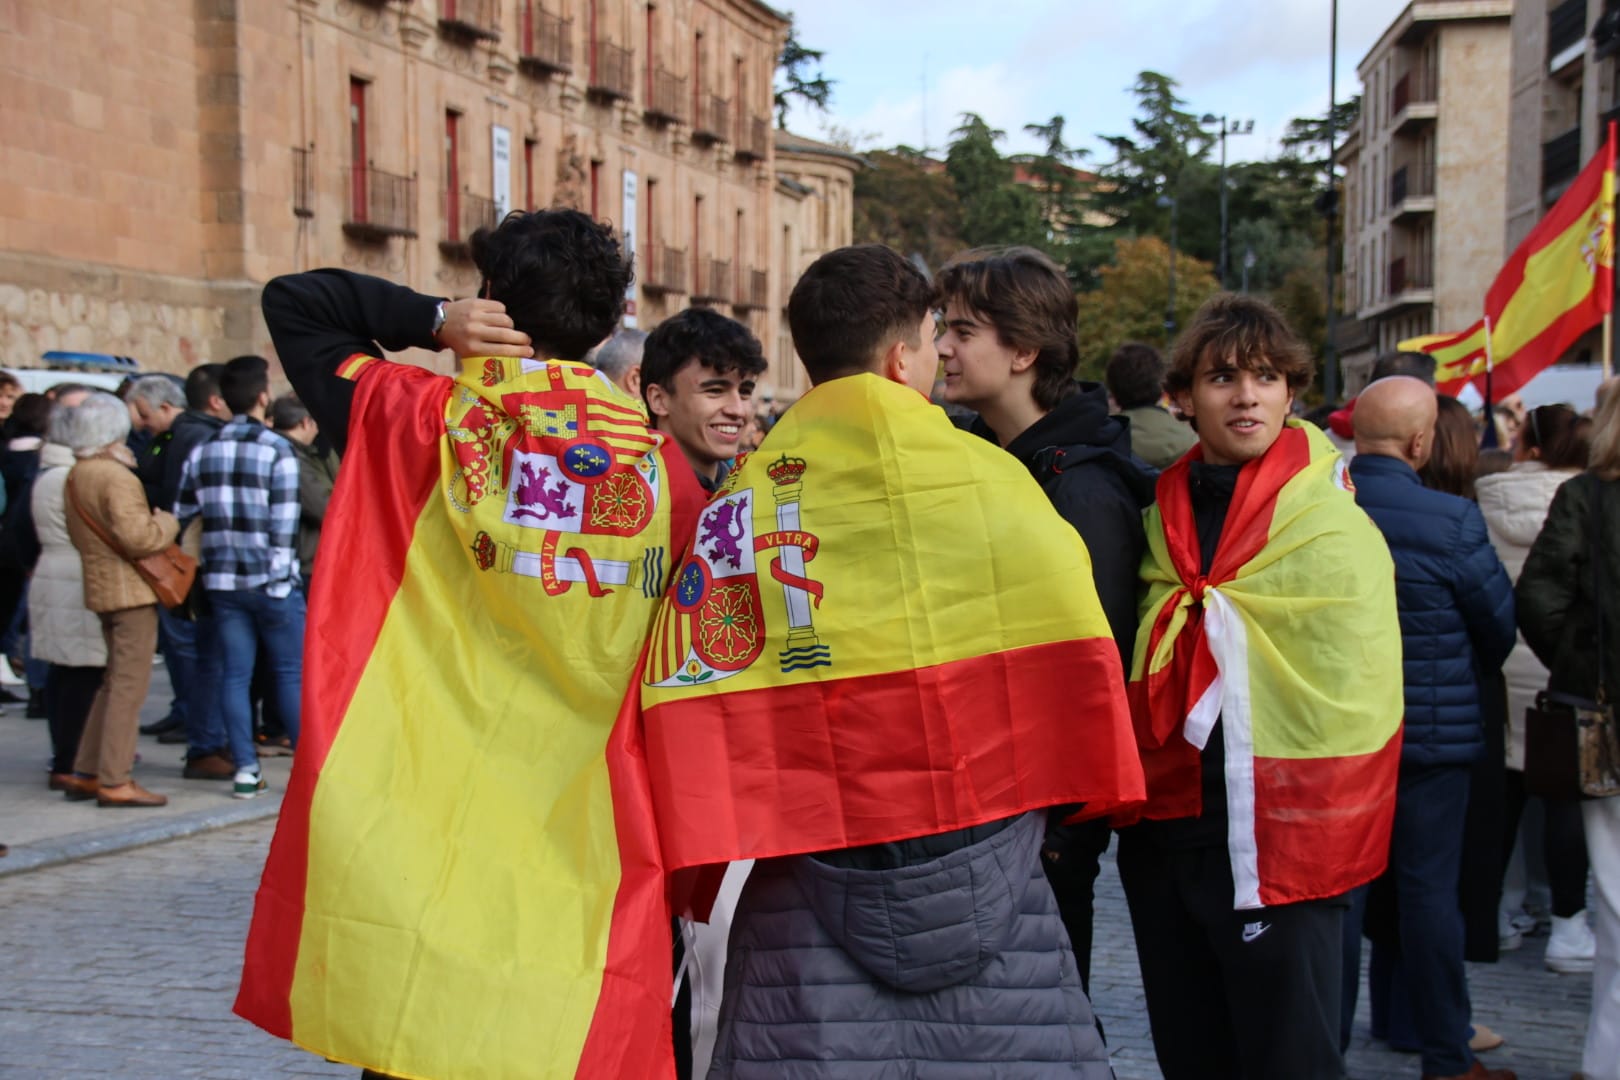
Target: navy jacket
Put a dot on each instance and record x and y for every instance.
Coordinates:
(1456, 606)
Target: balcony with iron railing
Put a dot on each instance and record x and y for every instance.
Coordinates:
(1411, 190)
(1409, 276)
(470, 20)
(1560, 161)
(303, 182)
(1414, 101)
(713, 120)
(613, 72)
(666, 97)
(381, 204)
(753, 138)
(464, 214)
(545, 42)
(663, 270)
(713, 285)
(753, 290)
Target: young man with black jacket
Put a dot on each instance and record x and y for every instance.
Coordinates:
(1009, 353)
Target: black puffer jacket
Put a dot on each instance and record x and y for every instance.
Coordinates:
(1081, 456)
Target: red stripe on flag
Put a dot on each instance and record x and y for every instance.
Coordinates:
(836, 763)
(388, 475)
(630, 1032)
(1545, 349)
(1325, 820)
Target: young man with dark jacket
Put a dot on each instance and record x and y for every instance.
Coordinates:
(1009, 353)
(1456, 611)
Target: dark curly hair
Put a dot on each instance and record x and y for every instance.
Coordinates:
(561, 275)
(702, 336)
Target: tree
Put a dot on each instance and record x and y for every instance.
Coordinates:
(794, 79)
(994, 209)
(1130, 300)
(908, 203)
(1162, 157)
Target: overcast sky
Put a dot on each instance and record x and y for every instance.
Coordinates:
(1017, 62)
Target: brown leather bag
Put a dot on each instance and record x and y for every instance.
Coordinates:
(169, 572)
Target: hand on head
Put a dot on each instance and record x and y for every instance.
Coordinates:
(477, 327)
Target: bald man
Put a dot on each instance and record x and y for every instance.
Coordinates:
(1456, 608)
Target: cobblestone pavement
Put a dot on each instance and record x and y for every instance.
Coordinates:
(126, 965)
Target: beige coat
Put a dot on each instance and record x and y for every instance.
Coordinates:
(110, 493)
(61, 629)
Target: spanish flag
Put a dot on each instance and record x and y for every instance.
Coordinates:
(883, 631)
(1557, 285)
(1292, 642)
(464, 881)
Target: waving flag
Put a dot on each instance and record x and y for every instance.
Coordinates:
(1557, 285)
(1292, 642)
(883, 631)
(464, 881)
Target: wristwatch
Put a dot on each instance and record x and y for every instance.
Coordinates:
(438, 319)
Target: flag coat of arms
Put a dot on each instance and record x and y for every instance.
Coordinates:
(464, 881)
(1292, 642)
(882, 630)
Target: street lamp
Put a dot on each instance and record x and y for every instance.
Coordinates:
(1248, 264)
(1168, 203)
(1228, 127)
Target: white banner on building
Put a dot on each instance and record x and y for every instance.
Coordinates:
(627, 232)
(500, 153)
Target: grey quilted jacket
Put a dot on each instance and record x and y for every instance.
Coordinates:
(953, 968)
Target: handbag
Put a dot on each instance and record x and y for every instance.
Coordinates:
(1571, 743)
(169, 572)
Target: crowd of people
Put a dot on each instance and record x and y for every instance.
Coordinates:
(617, 670)
(97, 482)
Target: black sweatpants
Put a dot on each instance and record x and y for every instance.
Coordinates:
(1563, 842)
(69, 693)
(1071, 870)
(1231, 995)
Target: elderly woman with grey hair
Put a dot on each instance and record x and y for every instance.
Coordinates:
(104, 499)
(65, 634)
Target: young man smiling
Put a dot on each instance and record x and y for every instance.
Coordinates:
(697, 377)
(1009, 353)
(1266, 694)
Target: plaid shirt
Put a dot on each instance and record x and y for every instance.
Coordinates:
(244, 483)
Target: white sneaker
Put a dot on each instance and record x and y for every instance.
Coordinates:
(250, 783)
(1570, 947)
(1508, 936)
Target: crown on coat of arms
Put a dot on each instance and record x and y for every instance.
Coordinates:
(785, 470)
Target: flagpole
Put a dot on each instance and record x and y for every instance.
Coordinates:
(1608, 344)
(1490, 441)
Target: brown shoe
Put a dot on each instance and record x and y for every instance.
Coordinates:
(129, 794)
(59, 781)
(76, 788)
(1484, 1039)
(1478, 1072)
(209, 767)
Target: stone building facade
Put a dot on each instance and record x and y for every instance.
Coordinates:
(1564, 94)
(164, 160)
(1426, 175)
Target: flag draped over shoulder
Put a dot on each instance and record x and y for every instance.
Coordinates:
(1557, 285)
(464, 880)
(1292, 641)
(883, 631)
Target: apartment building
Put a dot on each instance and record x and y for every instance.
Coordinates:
(165, 160)
(1425, 176)
(1564, 94)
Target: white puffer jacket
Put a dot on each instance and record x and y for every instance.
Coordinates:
(1515, 506)
(63, 630)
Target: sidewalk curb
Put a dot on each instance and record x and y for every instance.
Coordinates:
(89, 844)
